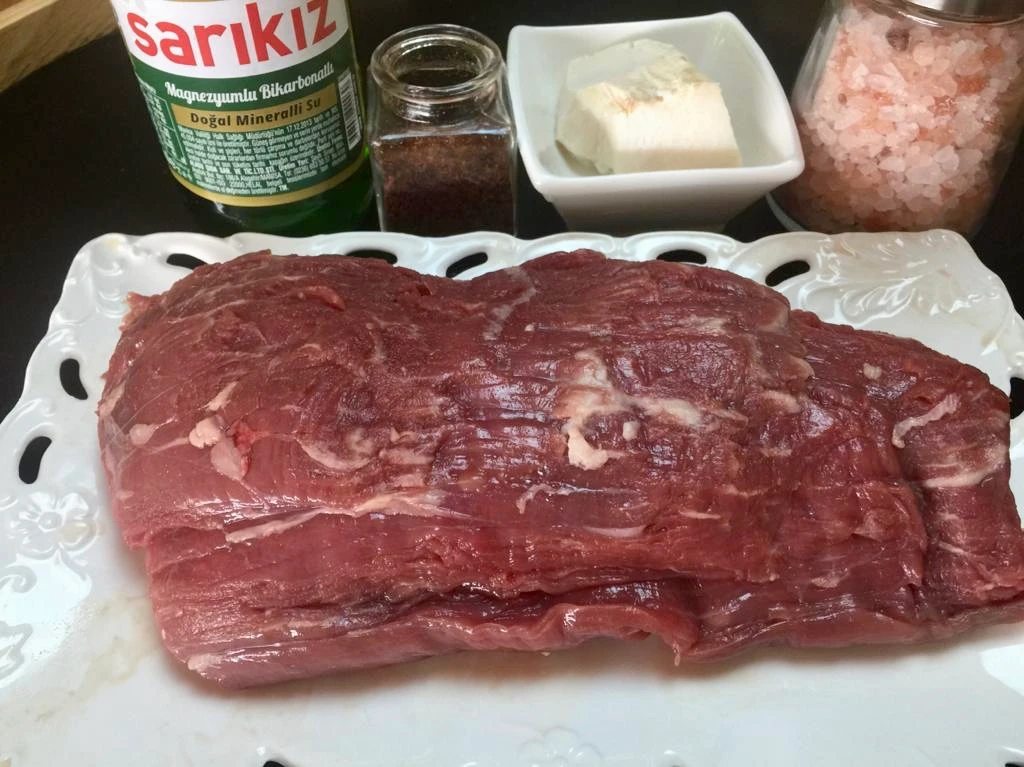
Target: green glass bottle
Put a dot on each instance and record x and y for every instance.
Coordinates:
(257, 108)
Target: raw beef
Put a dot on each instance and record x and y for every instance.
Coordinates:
(331, 464)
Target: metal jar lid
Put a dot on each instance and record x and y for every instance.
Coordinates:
(974, 9)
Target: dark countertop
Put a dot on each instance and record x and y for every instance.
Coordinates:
(79, 156)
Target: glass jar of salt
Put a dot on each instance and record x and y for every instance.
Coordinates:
(908, 113)
(442, 140)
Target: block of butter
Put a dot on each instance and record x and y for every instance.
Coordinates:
(642, 106)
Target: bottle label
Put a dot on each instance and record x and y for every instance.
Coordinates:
(254, 103)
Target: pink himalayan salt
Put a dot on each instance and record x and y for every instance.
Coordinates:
(908, 124)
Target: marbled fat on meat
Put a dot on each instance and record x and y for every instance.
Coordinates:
(332, 464)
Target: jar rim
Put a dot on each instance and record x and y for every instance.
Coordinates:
(483, 51)
(976, 10)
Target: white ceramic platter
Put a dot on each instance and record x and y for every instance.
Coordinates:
(84, 681)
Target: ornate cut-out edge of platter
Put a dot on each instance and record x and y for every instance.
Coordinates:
(75, 636)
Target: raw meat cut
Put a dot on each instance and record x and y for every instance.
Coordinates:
(331, 463)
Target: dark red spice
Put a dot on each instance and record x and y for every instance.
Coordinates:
(438, 185)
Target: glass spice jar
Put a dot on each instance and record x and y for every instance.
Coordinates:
(442, 140)
(908, 113)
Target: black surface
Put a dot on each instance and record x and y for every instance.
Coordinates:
(79, 157)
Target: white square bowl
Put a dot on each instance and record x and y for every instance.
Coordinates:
(701, 198)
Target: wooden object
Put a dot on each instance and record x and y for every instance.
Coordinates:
(35, 32)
